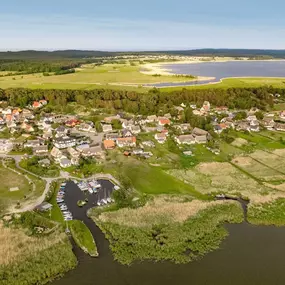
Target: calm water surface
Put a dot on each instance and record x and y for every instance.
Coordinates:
(250, 255)
(221, 70)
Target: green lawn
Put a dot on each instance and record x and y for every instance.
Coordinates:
(238, 83)
(153, 180)
(10, 179)
(83, 237)
(55, 213)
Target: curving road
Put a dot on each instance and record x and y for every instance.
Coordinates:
(63, 175)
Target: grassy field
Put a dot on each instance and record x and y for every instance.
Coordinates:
(119, 76)
(89, 77)
(150, 179)
(10, 179)
(238, 83)
(83, 237)
(55, 213)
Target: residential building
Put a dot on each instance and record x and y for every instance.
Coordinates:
(109, 144)
(148, 144)
(151, 119)
(199, 132)
(206, 107)
(41, 150)
(72, 123)
(107, 128)
(160, 137)
(135, 129)
(243, 126)
(94, 151)
(5, 145)
(73, 153)
(32, 143)
(126, 133)
(36, 105)
(44, 162)
(268, 123)
(280, 127)
(251, 118)
(183, 128)
(64, 142)
(163, 122)
(27, 127)
(186, 139)
(109, 120)
(85, 127)
(82, 147)
(201, 139)
(112, 136)
(221, 109)
(61, 131)
(65, 162)
(56, 153)
(126, 142)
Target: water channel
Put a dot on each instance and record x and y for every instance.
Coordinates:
(250, 255)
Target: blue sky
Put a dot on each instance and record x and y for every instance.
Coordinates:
(141, 25)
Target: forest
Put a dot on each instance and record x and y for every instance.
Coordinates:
(153, 102)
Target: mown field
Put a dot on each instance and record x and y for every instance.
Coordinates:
(10, 179)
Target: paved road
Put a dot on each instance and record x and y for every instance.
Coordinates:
(63, 175)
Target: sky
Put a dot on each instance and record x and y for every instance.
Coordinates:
(126, 25)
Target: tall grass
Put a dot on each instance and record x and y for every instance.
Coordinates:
(180, 240)
(28, 257)
(270, 213)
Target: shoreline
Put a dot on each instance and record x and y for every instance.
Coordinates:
(217, 82)
(157, 68)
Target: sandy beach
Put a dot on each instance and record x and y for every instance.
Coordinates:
(158, 68)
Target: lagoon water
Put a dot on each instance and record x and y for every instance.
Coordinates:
(251, 255)
(221, 70)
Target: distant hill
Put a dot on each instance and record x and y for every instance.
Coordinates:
(79, 54)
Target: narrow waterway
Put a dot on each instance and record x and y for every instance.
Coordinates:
(250, 255)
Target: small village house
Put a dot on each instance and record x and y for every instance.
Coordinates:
(109, 144)
(106, 128)
(65, 162)
(5, 145)
(126, 142)
(185, 139)
(41, 150)
(160, 137)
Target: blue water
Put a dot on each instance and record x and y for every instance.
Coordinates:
(221, 70)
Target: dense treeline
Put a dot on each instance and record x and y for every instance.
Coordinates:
(154, 102)
(60, 54)
(26, 67)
